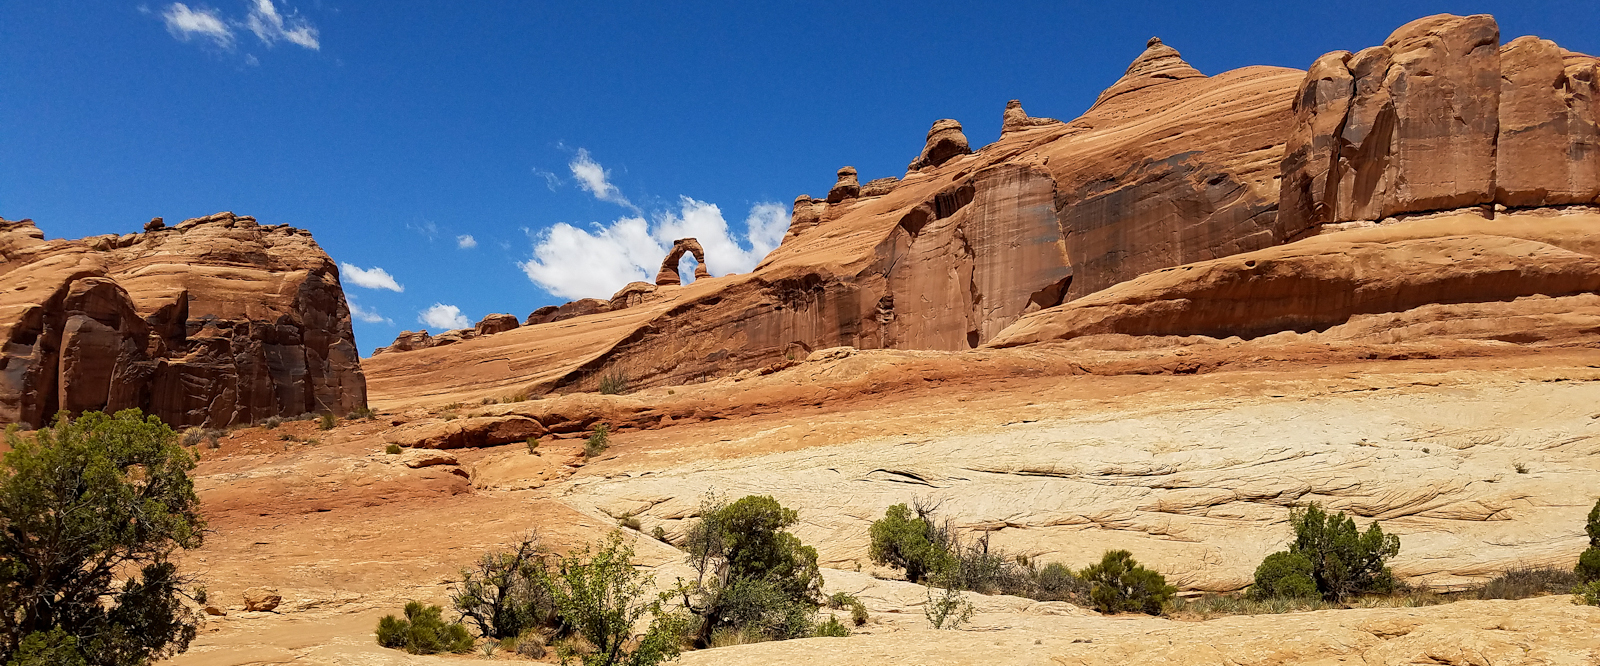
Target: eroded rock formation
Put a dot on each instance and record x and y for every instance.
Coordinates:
(407, 341)
(1015, 119)
(945, 141)
(668, 275)
(807, 212)
(847, 187)
(495, 323)
(1439, 117)
(214, 322)
(1157, 65)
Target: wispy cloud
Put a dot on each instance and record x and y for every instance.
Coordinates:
(443, 317)
(264, 19)
(596, 180)
(466, 241)
(551, 180)
(369, 316)
(571, 262)
(205, 23)
(425, 228)
(371, 278)
(271, 26)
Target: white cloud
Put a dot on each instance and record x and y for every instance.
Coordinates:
(596, 180)
(185, 23)
(570, 262)
(368, 316)
(443, 317)
(466, 242)
(371, 278)
(551, 180)
(270, 26)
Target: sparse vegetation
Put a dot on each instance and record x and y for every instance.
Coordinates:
(599, 440)
(1521, 468)
(328, 421)
(947, 608)
(533, 445)
(1525, 582)
(842, 600)
(362, 413)
(614, 382)
(272, 422)
(1588, 568)
(931, 552)
(660, 535)
(392, 449)
(423, 631)
(600, 596)
(756, 581)
(194, 436)
(93, 508)
(1339, 560)
(1587, 594)
(1119, 585)
(831, 627)
(629, 521)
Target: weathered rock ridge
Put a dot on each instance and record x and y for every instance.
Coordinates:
(1050, 228)
(214, 322)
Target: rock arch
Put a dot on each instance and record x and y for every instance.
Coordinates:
(668, 275)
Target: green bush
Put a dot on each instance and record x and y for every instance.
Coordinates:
(831, 627)
(911, 541)
(92, 509)
(1587, 594)
(328, 421)
(756, 581)
(599, 440)
(505, 594)
(423, 631)
(614, 382)
(1344, 561)
(1120, 585)
(1588, 567)
(600, 596)
(392, 449)
(1056, 582)
(947, 608)
(1284, 575)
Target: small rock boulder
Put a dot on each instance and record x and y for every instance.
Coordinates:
(419, 458)
(945, 141)
(847, 187)
(262, 598)
(496, 323)
(469, 432)
(154, 224)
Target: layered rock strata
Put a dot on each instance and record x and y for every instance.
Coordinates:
(217, 321)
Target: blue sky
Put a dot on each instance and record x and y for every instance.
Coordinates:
(567, 140)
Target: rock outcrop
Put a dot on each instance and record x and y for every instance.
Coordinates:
(407, 341)
(631, 294)
(945, 142)
(554, 313)
(1015, 119)
(217, 321)
(1157, 65)
(878, 187)
(668, 275)
(847, 187)
(495, 323)
(807, 212)
(1439, 117)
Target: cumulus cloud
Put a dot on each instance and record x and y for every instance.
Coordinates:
(466, 241)
(185, 24)
(367, 315)
(596, 180)
(443, 317)
(571, 262)
(271, 26)
(371, 278)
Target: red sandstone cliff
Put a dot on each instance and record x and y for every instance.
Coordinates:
(214, 322)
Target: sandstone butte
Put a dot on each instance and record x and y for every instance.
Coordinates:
(1157, 326)
(217, 321)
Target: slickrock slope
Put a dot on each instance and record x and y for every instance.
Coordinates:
(214, 322)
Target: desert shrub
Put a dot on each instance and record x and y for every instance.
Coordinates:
(1344, 561)
(1056, 582)
(614, 382)
(360, 413)
(831, 627)
(843, 600)
(599, 440)
(599, 595)
(659, 535)
(910, 540)
(392, 449)
(1589, 562)
(1587, 594)
(272, 422)
(504, 594)
(328, 421)
(858, 613)
(533, 444)
(1524, 582)
(946, 608)
(1520, 468)
(423, 631)
(1284, 575)
(530, 644)
(92, 510)
(977, 567)
(630, 521)
(754, 577)
(1120, 585)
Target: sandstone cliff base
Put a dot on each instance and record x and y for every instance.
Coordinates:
(1188, 460)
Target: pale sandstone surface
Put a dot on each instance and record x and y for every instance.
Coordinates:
(1193, 473)
(216, 321)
